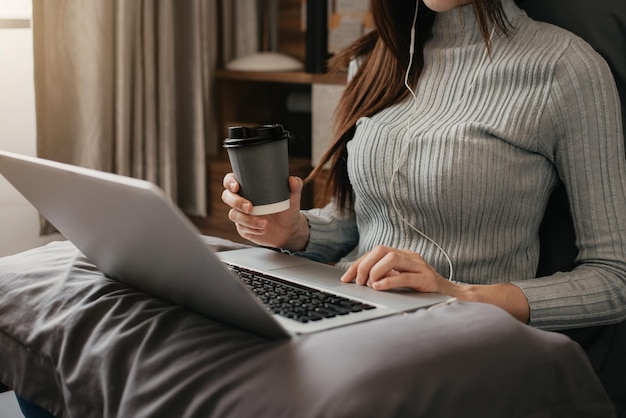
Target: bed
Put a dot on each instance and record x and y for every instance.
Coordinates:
(81, 344)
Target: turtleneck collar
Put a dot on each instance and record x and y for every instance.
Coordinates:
(461, 21)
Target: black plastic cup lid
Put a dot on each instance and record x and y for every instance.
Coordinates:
(239, 136)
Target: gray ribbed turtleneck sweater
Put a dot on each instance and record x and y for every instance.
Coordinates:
(482, 161)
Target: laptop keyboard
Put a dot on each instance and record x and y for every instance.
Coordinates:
(294, 301)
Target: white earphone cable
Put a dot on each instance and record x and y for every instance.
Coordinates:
(403, 154)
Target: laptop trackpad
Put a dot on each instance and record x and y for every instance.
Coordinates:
(314, 274)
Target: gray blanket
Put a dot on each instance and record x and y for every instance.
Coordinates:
(81, 345)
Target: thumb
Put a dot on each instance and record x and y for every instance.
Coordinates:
(295, 186)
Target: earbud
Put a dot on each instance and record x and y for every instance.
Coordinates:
(412, 43)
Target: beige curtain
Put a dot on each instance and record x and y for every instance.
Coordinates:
(126, 86)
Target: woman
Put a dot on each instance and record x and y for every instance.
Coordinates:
(443, 164)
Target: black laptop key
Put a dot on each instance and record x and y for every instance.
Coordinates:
(294, 301)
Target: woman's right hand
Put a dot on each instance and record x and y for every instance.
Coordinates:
(288, 229)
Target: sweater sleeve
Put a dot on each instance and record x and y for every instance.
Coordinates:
(583, 123)
(332, 235)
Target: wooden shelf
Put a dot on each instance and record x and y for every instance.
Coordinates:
(293, 77)
(259, 97)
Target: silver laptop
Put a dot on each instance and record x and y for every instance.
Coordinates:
(133, 233)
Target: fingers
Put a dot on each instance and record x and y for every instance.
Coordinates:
(358, 269)
(231, 197)
(236, 202)
(386, 268)
(398, 280)
(249, 224)
(295, 188)
(230, 182)
(295, 184)
(425, 281)
(381, 262)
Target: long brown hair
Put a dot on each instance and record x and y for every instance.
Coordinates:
(379, 80)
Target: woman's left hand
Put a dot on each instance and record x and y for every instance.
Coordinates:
(386, 268)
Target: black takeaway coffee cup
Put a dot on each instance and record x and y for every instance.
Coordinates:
(260, 162)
